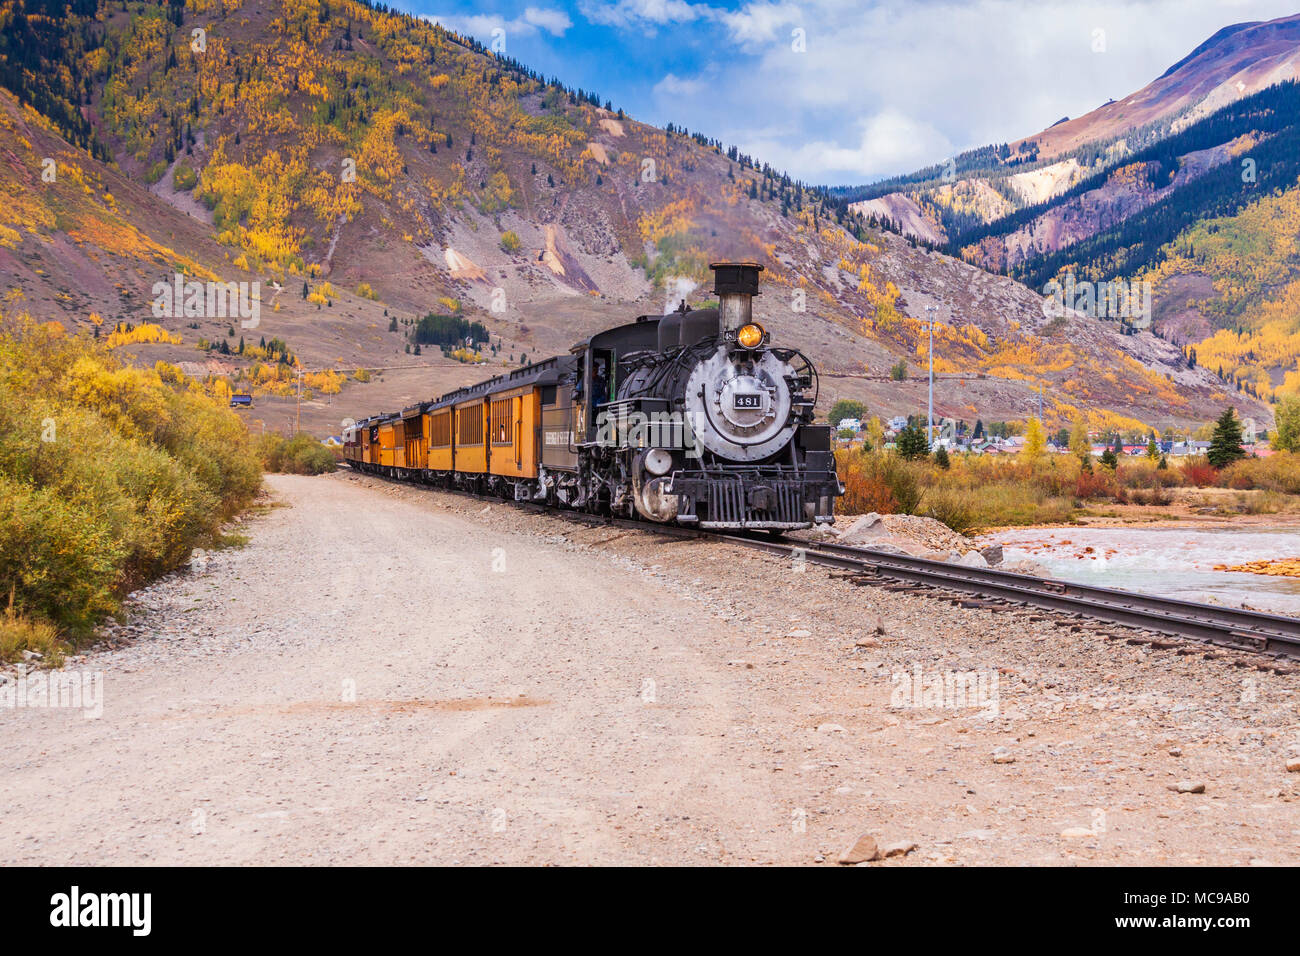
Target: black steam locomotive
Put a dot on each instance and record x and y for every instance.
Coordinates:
(693, 417)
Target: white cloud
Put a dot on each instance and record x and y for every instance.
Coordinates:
(554, 22)
(644, 13)
(758, 22)
(754, 23)
(481, 25)
(886, 140)
(673, 85)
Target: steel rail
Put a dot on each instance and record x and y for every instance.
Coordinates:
(1230, 627)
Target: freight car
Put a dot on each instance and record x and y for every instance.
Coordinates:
(694, 417)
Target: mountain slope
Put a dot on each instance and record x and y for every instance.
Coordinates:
(367, 168)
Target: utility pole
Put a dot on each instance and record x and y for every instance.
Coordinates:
(929, 418)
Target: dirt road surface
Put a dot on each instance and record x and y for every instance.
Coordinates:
(392, 675)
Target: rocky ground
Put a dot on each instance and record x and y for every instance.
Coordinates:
(919, 537)
(395, 675)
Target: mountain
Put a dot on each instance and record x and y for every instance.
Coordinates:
(368, 169)
(1189, 184)
(1236, 61)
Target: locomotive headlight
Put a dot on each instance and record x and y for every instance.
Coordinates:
(750, 336)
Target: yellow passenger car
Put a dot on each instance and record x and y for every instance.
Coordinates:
(471, 434)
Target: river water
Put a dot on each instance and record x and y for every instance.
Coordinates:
(1173, 562)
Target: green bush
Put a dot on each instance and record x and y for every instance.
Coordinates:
(184, 178)
(299, 455)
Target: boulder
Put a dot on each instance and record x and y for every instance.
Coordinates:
(863, 850)
(865, 530)
(992, 553)
(972, 559)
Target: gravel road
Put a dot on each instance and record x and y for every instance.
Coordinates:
(394, 675)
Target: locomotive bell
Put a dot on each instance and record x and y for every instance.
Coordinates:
(735, 284)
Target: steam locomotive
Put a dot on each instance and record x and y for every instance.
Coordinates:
(694, 417)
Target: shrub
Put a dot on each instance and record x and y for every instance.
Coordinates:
(20, 633)
(299, 455)
(184, 178)
(108, 477)
(1145, 496)
(1094, 484)
(955, 507)
(878, 481)
(1278, 472)
(1199, 473)
(510, 241)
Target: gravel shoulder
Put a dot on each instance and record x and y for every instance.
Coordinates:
(392, 675)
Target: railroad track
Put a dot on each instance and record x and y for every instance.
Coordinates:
(1273, 635)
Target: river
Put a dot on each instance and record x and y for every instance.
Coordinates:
(1168, 561)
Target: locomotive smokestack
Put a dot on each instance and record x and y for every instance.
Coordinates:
(735, 284)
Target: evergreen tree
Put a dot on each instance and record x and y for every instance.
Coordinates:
(911, 442)
(1110, 459)
(1225, 444)
(941, 457)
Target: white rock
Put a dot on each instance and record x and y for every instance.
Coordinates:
(972, 559)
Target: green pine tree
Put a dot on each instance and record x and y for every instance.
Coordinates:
(1225, 443)
(911, 443)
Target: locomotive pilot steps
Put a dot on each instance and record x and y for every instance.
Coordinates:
(693, 417)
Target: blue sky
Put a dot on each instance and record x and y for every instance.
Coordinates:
(839, 92)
